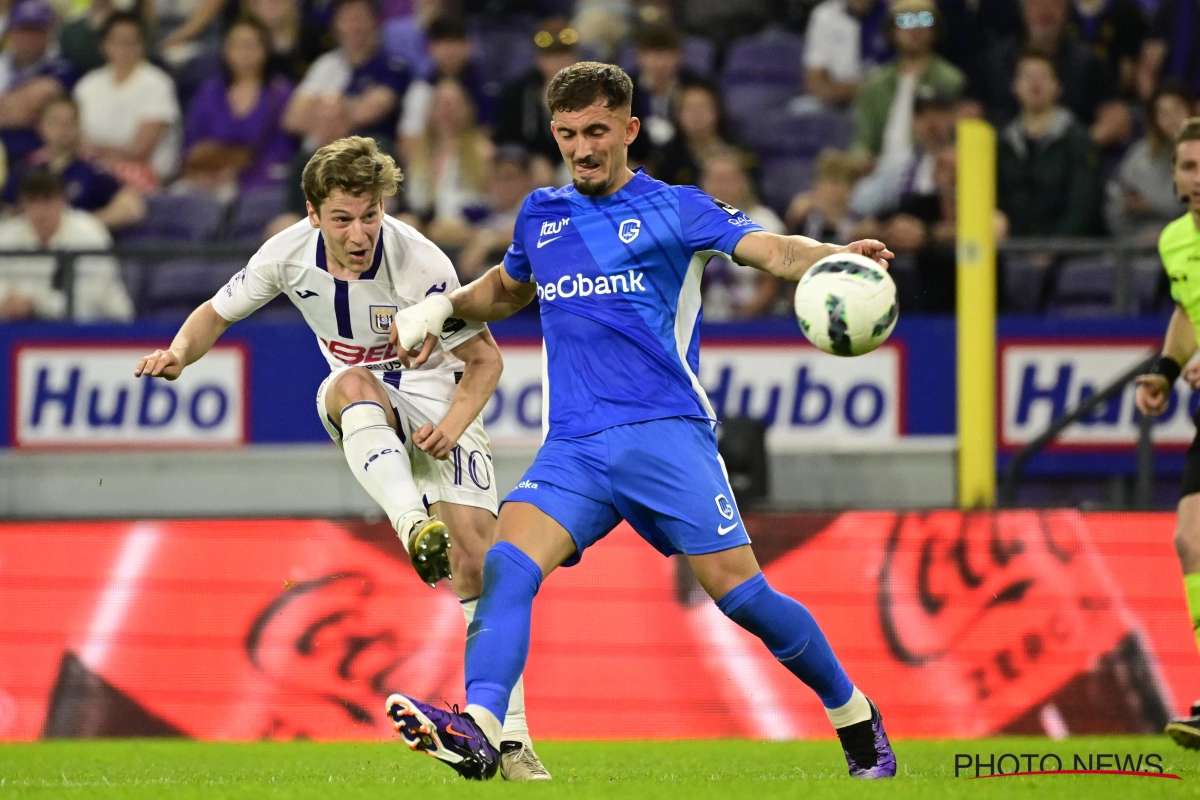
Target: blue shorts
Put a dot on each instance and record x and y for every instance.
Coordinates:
(663, 476)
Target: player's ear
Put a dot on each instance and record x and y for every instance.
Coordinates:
(314, 219)
(631, 130)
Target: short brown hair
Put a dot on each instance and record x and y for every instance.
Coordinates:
(657, 36)
(837, 166)
(40, 184)
(583, 83)
(355, 165)
(1190, 132)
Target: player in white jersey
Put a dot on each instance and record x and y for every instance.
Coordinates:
(413, 438)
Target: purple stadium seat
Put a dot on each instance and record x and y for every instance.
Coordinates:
(1022, 279)
(404, 39)
(1084, 287)
(177, 218)
(698, 54)
(186, 282)
(253, 210)
(505, 51)
(783, 178)
(1146, 278)
(747, 102)
(784, 134)
(769, 57)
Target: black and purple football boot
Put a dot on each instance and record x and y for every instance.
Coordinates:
(867, 749)
(446, 735)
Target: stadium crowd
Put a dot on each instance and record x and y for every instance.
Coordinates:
(186, 121)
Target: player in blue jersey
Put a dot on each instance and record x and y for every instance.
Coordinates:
(616, 261)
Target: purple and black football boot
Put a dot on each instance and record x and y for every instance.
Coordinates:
(446, 735)
(867, 749)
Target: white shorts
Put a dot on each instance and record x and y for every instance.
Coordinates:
(466, 476)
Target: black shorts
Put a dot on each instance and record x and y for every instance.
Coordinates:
(1191, 465)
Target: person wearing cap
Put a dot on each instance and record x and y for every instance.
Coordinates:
(883, 112)
(523, 119)
(29, 76)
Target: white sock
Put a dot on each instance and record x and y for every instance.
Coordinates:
(516, 727)
(380, 463)
(856, 709)
(487, 722)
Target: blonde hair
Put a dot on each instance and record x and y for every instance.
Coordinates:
(355, 165)
(837, 166)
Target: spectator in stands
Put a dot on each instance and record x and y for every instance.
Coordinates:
(232, 135)
(181, 23)
(1172, 47)
(969, 28)
(522, 117)
(29, 76)
(127, 109)
(844, 40)
(88, 187)
(30, 287)
(657, 84)
(446, 180)
(700, 131)
(1088, 88)
(79, 39)
(1141, 196)
(883, 112)
(508, 186)
(1048, 171)
(450, 56)
(909, 172)
(733, 291)
(355, 88)
(823, 212)
(282, 20)
(1115, 29)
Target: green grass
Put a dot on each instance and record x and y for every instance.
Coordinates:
(674, 770)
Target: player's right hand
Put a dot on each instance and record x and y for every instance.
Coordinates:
(1153, 393)
(159, 364)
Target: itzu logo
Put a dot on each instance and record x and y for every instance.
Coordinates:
(724, 506)
(553, 229)
(570, 286)
(629, 230)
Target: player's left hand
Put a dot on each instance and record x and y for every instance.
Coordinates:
(434, 441)
(415, 357)
(871, 248)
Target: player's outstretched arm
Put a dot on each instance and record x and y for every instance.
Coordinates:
(789, 257)
(483, 365)
(197, 336)
(493, 296)
(1154, 390)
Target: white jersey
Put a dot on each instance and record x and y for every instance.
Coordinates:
(352, 318)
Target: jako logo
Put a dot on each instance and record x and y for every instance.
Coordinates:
(527, 485)
(568, 286)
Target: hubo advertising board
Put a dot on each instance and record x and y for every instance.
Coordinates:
(1041, 381)
(85, 396)
(806, 397)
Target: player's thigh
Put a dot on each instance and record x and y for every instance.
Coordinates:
(466, 476)
(670, 484)
(721, 572)
(472, 530)
(346, 386)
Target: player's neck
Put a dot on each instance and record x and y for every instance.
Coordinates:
(1195, 212)
(625, 177)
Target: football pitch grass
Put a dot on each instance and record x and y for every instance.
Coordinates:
(674, 770)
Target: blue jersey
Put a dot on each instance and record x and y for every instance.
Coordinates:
(619, 288)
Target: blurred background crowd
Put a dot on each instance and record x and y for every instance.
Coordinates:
(180, 123)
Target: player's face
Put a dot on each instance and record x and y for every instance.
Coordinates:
(350, 224)
(593, 142)
(1187, 173)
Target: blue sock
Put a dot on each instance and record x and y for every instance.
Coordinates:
(792, 635)
(498, 639)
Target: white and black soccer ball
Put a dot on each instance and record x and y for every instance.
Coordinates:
(846, 304)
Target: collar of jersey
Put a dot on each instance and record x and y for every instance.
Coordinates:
(366, 276)
(633, 187)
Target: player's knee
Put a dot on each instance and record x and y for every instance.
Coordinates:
(352, 385)
(467, 565)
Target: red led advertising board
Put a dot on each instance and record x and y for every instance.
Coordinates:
(957, 625)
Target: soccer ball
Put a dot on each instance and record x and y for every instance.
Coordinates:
(846, 304)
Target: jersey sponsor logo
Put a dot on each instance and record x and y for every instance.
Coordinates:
(728, 209)
(740, 221)
(527, 485)
(553, 229)
(374, 357)
(583, 286)
(453, 325)
(724, 506)
(304, 294)
(629, 230)
(381, 318)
